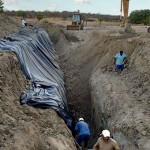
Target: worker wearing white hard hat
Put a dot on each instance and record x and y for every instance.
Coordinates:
(105, 142)
(83, 132)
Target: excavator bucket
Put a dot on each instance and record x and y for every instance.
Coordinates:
(74, 27)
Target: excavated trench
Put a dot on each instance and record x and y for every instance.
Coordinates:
(96, 93)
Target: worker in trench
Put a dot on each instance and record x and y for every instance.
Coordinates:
(119, 61)
(82, 128)
(104, 142)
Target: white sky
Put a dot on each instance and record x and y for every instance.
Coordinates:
(86, 6)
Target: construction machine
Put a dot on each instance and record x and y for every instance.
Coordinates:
(77, 22)
(125, 26)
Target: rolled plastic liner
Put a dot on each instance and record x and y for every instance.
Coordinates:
(38, 63)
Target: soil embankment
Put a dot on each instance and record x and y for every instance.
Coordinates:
(23, 127)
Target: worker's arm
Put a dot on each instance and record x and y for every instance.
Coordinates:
(77, 127)
(116, 146)
(125, 60)
(115, 58)
(114, 61)
(96, 145)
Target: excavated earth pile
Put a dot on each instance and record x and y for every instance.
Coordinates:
(23, 127)
(8, 25)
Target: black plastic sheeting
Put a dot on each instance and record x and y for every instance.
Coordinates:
(38, 62)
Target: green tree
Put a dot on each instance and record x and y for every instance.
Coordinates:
(1, 6)
(140, 17)
(39, 16)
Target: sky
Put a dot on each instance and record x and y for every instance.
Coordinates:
(111, 7)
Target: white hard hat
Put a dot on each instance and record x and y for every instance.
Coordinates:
(81, 119)
(106, 133)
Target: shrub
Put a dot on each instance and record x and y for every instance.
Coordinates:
(39, 16)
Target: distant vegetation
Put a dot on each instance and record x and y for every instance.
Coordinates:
(100, 19)
(136, 17)
(39, 15)
(1, 6)
(140, 17)
(64, 15)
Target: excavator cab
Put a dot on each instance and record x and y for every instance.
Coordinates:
(76, 19)
(77, 23)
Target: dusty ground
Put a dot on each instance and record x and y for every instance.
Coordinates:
(86, 58)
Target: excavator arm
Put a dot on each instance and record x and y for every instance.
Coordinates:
(124, 20)
(125, 7)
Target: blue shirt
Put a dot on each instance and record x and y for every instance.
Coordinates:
(83, 128)
(120, 59)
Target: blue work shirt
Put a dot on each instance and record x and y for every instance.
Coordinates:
(120, 59)
(83, 128)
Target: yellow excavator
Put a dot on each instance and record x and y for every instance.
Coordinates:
(126, 27)
(77, 22)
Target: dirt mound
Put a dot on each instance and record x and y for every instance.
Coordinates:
(8, 25)
(24, 127)
(52, 30)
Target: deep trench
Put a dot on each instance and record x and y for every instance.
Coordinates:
(78, 91)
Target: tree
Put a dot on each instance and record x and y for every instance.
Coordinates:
(1, 6)
(100, 19)
(39, 16)
(140, 17)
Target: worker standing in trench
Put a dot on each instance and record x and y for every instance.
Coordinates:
(119, 61)
(105, 142)
(84, 133)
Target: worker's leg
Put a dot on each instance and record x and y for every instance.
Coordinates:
(80, 139)
(122, 67)
(119, 68)
(86, 140)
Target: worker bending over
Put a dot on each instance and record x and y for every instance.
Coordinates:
(83, 132)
